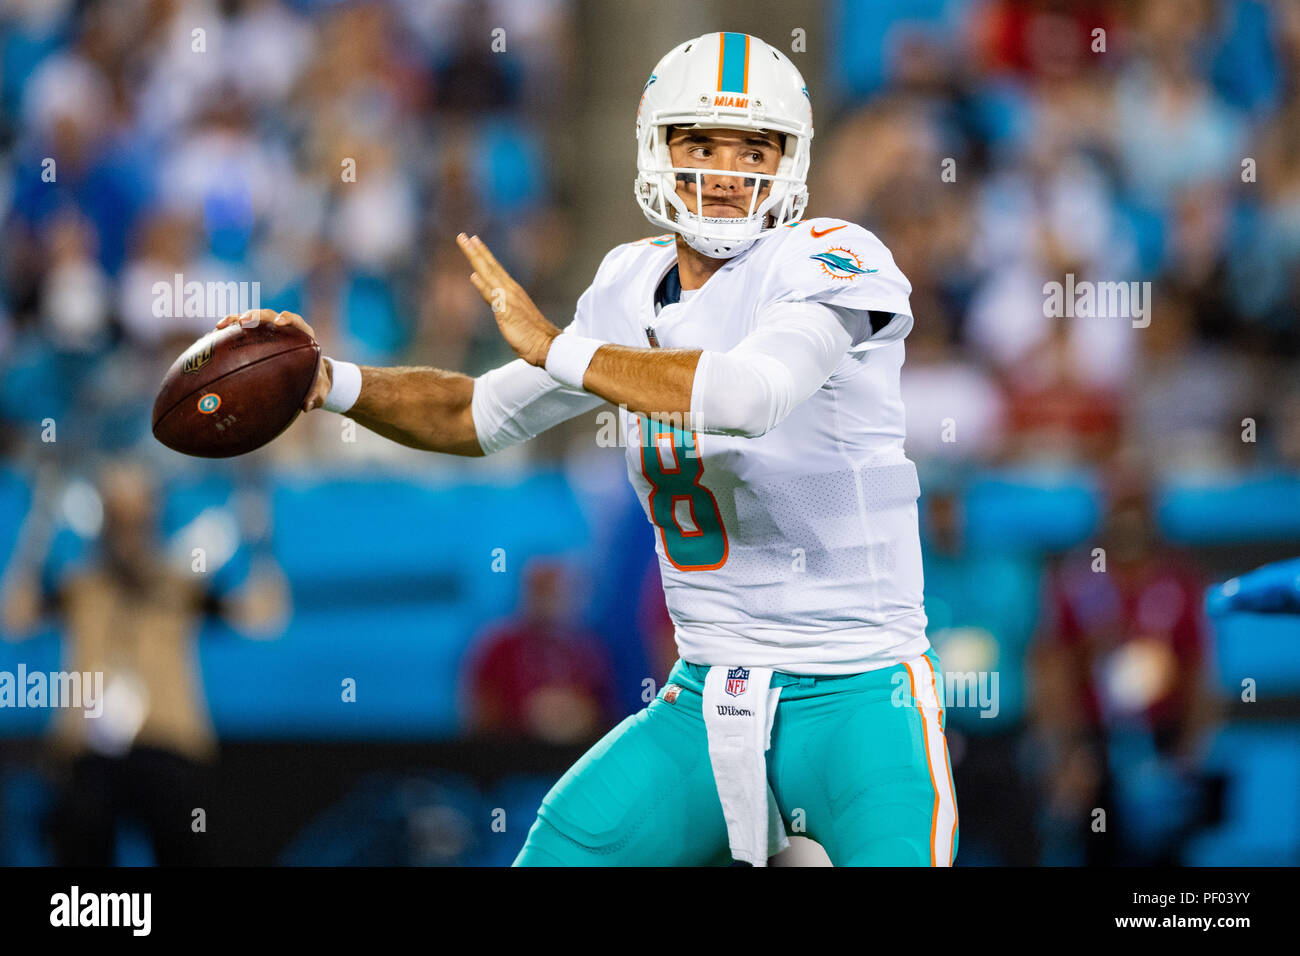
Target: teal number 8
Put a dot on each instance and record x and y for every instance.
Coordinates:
(684, 511)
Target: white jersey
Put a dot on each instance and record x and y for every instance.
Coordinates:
(797, 549)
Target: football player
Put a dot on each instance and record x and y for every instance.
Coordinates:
(754, 356)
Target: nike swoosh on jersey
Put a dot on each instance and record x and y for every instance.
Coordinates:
(817, 235)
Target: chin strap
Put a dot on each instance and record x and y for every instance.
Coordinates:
(716, 247)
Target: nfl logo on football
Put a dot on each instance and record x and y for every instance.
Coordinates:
(737, 681)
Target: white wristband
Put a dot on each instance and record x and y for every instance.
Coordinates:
(569, 357)
(345, 387)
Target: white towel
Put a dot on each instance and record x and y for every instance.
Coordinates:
(739, 708)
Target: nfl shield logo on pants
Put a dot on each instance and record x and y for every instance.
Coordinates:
(737, 681)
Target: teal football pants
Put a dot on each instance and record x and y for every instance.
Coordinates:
(858, 763)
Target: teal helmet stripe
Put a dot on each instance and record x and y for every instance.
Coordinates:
(733, 63)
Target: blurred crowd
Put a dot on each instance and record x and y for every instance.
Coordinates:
(1113, 142)
(329, 152)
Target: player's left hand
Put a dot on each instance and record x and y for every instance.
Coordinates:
(523, 325)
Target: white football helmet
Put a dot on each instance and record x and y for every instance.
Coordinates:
(735, 81)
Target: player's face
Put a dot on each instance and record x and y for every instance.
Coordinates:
(731, 149)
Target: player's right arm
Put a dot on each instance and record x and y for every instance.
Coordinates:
(437, 410)
(425, 408)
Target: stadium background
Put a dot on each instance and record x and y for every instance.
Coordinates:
(402, 568)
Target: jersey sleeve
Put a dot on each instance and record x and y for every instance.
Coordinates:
(752, 388)
(841, 265)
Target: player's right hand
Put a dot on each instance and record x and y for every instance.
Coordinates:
(324, 372)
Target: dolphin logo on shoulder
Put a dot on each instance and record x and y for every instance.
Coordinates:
(840, 263)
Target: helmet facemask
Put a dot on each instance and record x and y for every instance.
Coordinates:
(777, 199)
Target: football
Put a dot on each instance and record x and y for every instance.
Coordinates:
(235, 389)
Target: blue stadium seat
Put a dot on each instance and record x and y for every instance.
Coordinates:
(392, 580)
(401, 529)
(1262, 646)
(1027, 510)
(404, 661)
(1261, 813)
(1258, 508)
